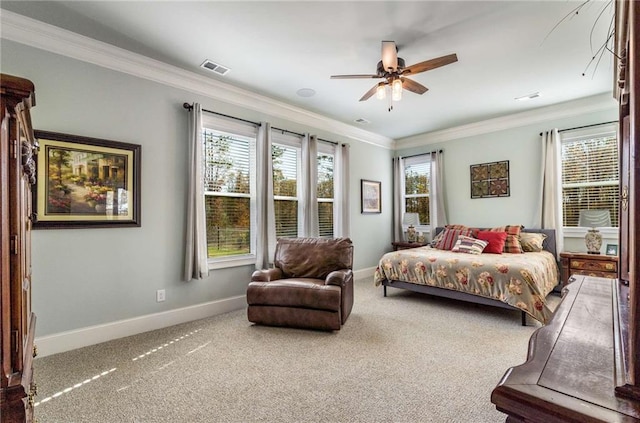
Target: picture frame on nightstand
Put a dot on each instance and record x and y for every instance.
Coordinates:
(612, 249)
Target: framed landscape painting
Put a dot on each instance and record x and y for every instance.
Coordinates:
(370, 200)
(86, 182)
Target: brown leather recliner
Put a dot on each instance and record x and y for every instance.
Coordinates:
(311, 285)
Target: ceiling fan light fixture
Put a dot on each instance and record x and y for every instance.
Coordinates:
(396, 90)
(381, 91)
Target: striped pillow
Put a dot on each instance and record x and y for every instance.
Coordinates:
(449, 238)
(512, 244)
(466, 244)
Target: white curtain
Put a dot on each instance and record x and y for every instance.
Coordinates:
(437, 205)
(550, 210)
(398, 186)
(341, 203)
(195, 263)
(309, 186)
(265, 211)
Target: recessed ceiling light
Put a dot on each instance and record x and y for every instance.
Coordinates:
(528, 96)
(362, 121)
(215, 67)
(306, 92)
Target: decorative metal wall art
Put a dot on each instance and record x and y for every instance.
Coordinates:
(490, 180)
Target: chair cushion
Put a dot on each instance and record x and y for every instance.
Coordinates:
(313, 257)
(297, 292)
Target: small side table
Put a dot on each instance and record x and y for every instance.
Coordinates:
(587, 264)
(405, 245)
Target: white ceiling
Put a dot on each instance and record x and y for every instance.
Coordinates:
(505, 49)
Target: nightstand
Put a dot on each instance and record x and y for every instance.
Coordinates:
(405, 245)
(588, 264)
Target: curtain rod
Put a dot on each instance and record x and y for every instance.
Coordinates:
(421, 154)
(190, 107)
(585, 126)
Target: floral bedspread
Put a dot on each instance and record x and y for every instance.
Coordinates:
(521, 280)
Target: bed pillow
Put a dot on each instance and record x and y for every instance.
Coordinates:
(449, 238)
(512, 243)
(496, 241)
(469, 245)
(532, 242)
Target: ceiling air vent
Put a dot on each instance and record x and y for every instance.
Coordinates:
(214, 67)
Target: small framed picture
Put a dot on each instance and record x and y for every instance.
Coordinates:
(370, 201)
(612, 249)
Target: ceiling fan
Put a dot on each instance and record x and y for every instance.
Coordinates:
(392, 69)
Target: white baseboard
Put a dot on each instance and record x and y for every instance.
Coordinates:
(91, 335)
(364, 273)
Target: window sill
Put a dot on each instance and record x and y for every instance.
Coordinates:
(223, 263)
(575, 232)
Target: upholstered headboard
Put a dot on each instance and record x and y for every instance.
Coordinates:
(548, 244)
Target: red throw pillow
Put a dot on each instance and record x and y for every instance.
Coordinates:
(496, 241)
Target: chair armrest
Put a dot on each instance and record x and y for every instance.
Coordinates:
(266, 275)
(339, 277)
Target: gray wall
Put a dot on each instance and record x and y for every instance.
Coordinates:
(84, 277)
(521, 146)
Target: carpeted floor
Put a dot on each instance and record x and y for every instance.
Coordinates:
(404, 358)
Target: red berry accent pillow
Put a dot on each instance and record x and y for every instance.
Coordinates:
(496, 241)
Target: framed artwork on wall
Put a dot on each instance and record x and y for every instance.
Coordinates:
(490, 180)
(86, 182)
(370, 201)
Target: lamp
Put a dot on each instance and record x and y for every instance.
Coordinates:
(411, 219)
(594, 218)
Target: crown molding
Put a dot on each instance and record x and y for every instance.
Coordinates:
(596, 103)
(34, 33)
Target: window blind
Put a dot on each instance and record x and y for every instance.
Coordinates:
(417, 173)
(325, 194)
(227, 180)
(285, 189)
(590, 177)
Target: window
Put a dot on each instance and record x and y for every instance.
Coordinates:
(325, 194)
(590, 173)
(229, 186)
(285, 189)
(417, 181)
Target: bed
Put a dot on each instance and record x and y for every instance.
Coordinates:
(512, 281)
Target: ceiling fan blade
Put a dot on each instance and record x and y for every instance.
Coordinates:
(369, 93)
(354, 76)
(430, 64)
(389, 55)
(413, 86)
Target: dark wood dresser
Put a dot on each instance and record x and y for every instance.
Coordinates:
(574, 362)
(588, 264)
(18, 150)
(584, 366)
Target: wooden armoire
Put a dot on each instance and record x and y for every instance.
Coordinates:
(584, 365)
(18, 150)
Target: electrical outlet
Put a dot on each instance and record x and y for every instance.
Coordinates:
(160, 295)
